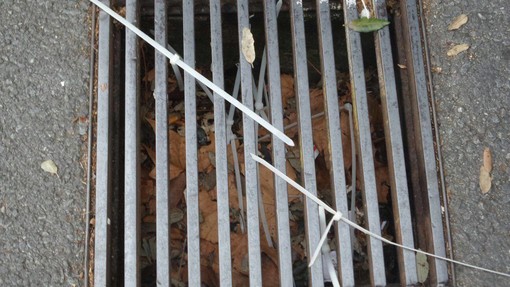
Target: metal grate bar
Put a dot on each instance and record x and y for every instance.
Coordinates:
(162, 184)
(306, 139)
(343, 240)
(279, 161)
(102, 227)
(249, 142)
(424, 142)
(131, 154)
(395, 150)
(364, 142)
(190, 112)
(222, 191)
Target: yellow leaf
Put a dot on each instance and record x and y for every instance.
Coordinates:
(487, 159)
(457, 49)
(248, 46)
(49, 166)
(423, 267)
(458, 22)
(485, 180)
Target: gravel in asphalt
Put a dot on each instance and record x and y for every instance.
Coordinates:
(473, 105)
(44, 67)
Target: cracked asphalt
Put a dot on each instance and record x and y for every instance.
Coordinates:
(44, 88)
(473, 107)
(44, 68)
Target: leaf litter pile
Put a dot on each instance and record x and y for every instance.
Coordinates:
(207, 184)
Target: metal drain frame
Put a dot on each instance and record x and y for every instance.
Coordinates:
(425, 156)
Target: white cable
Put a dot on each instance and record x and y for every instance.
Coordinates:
(195, 74)
(326, 258)
(364, 5)
(356, 226)
(293, 183)
(336, 217)
(364, 13)
(291, 125)
(174, 59)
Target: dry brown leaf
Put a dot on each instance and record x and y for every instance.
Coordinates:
(152, 173)
(177, 150)
(322, 175)
(487, 159)
(268, 195)
(208, 210)
(149, 219)
(287, 82)
(177, 186)
(152, 123)
(248, 46)
(316, 101)
(208, 252)
(208, 276)
(269, 272)
(152, 206)
(457, 49)
(485, 180)
(150, 152)
(150, 76)
(176, 233)
(383, 181)
(485, 171)
(458, 22)
(122, 11)
(240, 253)
(147, 190)
(174, 118)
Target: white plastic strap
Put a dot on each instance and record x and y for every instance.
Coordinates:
(195, 74)
(294, 184)
(338, 216)
(173, 59)
(326, 257)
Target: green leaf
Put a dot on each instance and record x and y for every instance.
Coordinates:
(422, 266)
(365, 25)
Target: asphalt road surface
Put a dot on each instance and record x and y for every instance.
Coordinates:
(44, 67)
(473, 106)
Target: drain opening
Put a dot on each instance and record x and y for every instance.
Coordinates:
(206, 149)
(206, 155)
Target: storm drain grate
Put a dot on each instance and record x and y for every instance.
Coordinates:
(411, 186)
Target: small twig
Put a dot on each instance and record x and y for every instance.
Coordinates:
(315, 68)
